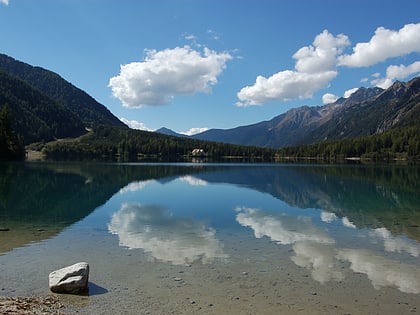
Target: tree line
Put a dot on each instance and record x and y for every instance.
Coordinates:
(11, 146)
(398, 143)
(115, 143)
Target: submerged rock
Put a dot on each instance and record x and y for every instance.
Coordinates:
(72, 279)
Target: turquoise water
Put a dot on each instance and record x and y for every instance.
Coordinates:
(216, 238)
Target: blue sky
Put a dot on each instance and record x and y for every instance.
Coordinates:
(193, 64)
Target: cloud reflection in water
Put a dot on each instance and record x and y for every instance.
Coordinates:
(319, 259)
(167, 238)
(382, 271)
(316, 251)
(282, 228)
(396, 244)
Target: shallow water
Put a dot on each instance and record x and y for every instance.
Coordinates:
(216, 239)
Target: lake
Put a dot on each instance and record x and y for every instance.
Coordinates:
(200, 238)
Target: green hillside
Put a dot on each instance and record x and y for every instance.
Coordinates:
(86, 108)
(35, 116)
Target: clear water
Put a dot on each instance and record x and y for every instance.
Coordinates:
(215, 238)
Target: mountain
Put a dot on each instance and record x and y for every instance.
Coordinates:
(399, 105)
(169, 132)
(37, 117)
(367, 111)
(45, 106)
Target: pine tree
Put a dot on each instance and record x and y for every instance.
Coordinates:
(10, 148)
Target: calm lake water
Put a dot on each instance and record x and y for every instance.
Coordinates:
(215, 238)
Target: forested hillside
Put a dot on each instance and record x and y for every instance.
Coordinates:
(402, 143)
(35, 116)
(86, 108)
(11, 147)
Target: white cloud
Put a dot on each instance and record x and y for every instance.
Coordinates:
(322, 55)
(284, 86)
(314, 69)
(349, 92)
(6, 2)
(163, 236)
(134, 124)
(329, 98)
(194, 131)
(190, 37)
(401, 71)
(394, 72)
(165, 74)
(383, 45)
(383, 83)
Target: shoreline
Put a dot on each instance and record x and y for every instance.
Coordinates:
(49, 304)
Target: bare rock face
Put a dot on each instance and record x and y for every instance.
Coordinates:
(72, 279)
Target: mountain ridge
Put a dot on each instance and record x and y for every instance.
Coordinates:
(45, 106)
(56, 87)
(367, 111)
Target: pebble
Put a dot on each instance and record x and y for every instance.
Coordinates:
(177, 279)
(245, 273)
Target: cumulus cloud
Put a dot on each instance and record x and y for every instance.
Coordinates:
(134, 124)
(6, 2)
(165, 74)
(194, 131)
(283, 86)
(322, 54)
(395, 72)
(383, 45)
(329, 98)
(314, 69)
(165, 237)
(401, 71)
(349, 92)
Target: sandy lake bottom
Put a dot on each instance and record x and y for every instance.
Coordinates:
(255, 276)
